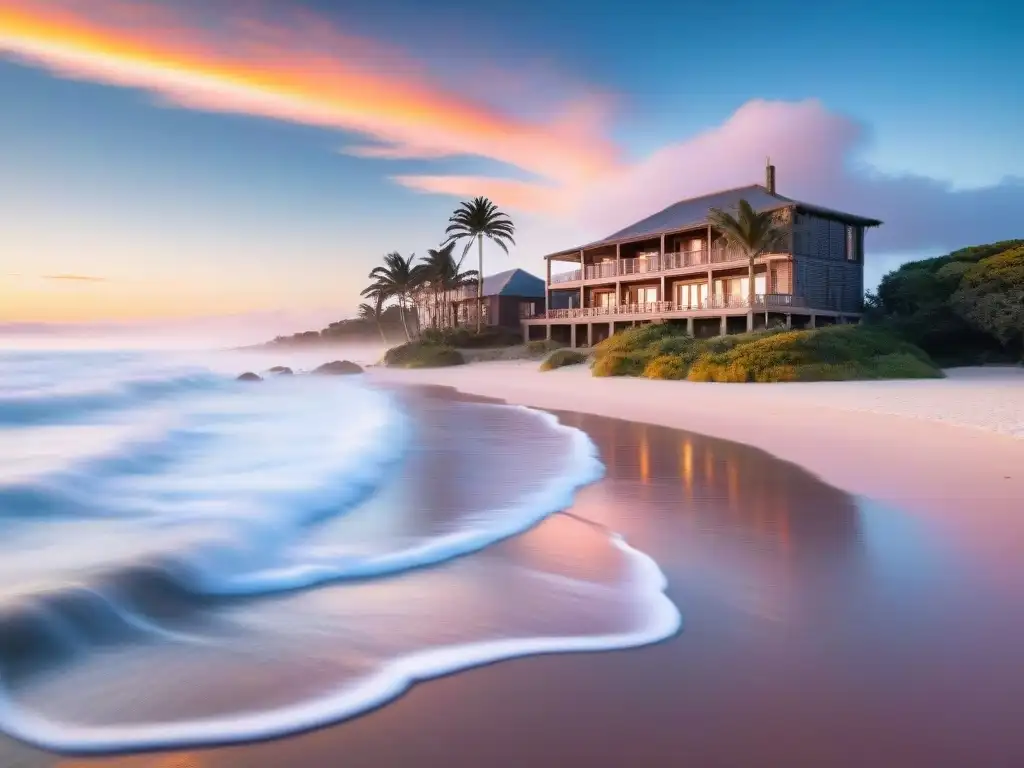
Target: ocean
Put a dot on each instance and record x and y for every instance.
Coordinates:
(186, 559)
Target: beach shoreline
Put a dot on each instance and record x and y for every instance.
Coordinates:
(823, 628)
(787, 585)
(932, 446)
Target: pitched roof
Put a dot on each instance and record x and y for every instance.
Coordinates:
(514, 282)
(694, 212)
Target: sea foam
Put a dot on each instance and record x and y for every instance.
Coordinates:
(206, 492)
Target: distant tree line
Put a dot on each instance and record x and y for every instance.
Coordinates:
(403, 289)
(387, 327)
(964, 308)
(434, 286)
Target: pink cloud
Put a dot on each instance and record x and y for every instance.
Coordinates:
(818, 158)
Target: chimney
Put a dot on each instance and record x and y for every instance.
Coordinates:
(769, 176)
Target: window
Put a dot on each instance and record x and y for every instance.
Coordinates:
(646, 295)
(692, 295)
(604, 299)
(527, 309)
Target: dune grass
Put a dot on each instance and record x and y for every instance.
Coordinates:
(419, 354)
(561, 358)
(833, 353)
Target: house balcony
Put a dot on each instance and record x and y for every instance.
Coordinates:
(762, 302)
(673, 263)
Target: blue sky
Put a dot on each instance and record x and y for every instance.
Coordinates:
(183, 210)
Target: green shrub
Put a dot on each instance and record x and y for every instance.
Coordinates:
(931, 304)
(561, 358)
(541, 347)
(834, 353)
(667, 367)
(468, 338)
(620, 364)
(418, 354)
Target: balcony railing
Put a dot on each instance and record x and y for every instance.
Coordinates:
(762, 301)
(652, 264)
(566, 277)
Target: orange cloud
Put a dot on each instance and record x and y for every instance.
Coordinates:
(76, 278)
(300, 69)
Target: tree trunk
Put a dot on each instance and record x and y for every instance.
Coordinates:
(405, 321)
(480, 283)
(380, 328)
(751, 293)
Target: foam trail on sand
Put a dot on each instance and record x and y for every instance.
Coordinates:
(586, 467)
(660, 620)
(172, 531)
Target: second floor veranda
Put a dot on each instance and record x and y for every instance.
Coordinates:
(654, 263)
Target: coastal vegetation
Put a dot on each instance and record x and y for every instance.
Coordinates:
(372, 324)
(965, 308)
(422, 354)
(467, 338)
(561, 358)
(403, 289)
(475, 220)
(834, 353)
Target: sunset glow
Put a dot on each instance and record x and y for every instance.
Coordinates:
(306, 72)
(196, 158)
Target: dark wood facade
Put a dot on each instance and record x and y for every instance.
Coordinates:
(687, 274)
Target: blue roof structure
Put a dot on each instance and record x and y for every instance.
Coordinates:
(514, 282)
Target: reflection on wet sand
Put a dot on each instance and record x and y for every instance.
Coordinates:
(753, 527)
(179, 760)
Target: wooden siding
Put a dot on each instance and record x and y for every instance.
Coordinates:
(838, 286)
(824, 274)
(826, 239)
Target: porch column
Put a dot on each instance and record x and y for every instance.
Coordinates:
(590, 334)
(618, 271)
(814, 321)
(789, 320)
(547, 291)
(689, 326)
(583, 275)
(661, 266)
(711, 288)
(573, 328)
(750, 319)
(547, 331)
(723, 326)
(611, 329)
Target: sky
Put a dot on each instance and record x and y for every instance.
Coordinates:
(234, 160)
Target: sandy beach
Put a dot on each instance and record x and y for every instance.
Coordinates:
(846, 558)
(934, 445)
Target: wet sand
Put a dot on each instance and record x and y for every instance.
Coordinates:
(818, 630)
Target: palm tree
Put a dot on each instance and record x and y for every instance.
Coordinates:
(753, 234)
(443, 274)
(478, 219)
(397, 279)
(373, 312)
